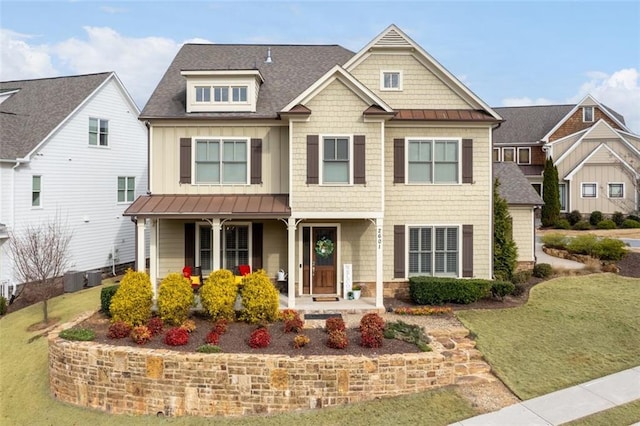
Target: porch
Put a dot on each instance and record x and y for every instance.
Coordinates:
(307, 305)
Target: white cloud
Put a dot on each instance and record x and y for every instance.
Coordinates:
(526, 101)
(21, 61)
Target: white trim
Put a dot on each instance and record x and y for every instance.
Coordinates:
(432, 139)
(433, 251)
(499, 159)
(218, 249)
(581, 164)
(567, 199)
(391, 89)
(39, 206)
(338, 215)
(229, 73)
(609, 190)
(510, 148)
(321, 159)
(527, 148)
(98, 145)
(126, 187)
(221, 139)
(300, 251)
(584, 113)
(595, 187)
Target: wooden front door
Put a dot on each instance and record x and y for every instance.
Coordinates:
(320, 259)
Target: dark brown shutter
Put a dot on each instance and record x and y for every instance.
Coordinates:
(312, 159)
(190, 244)
(359, 160)
(398, 251)
(467, 250)
(467, 160)
(256, 161)
(185, 160)
(256, 246)
(398, 161)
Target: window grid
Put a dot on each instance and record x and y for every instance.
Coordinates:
(616, 190)
(524, 155)
(508, 154)
(98, 132)
(437, 256)
(126, 189)
(562, 190)
(589, 190)
(203, 94)
(587, 114)
(391, 80)
(221, 161)
(433, 161)
(335, 160)
(235, 246)
(36, 191)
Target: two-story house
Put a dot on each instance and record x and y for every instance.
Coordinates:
(72, 150)
(597, 156)
(336, 167)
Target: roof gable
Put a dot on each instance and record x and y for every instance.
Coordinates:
(596, 152)
(527, 124)
(514, 186)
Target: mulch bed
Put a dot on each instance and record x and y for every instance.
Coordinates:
(630, 265)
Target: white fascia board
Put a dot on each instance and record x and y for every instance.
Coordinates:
(588, 157)
(215, 73)
(578, 142)
(337, 215)
(551, 144)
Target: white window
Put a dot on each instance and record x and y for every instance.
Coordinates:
(235, 246)
(562, 191)
(616, 190)
(508, 154)
(336, 166)
(433, 160)
(239, 94)
(589, 190)
(221, 94)
(98, 132)
(391, 80)
(221, 161)
(524, 155)
(126, 189)
(496, 155)
(203, 94)
(36, 191)
(434, 250)
(587, 114)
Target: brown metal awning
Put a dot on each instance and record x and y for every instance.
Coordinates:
(443, 115)
(203, 206)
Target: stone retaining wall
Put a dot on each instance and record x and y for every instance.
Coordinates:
(131, 380)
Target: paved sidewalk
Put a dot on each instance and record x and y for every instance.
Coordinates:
(556, 262)
(568, 404)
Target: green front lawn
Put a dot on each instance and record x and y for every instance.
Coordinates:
(572, 330)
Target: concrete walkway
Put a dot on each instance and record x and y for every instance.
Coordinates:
(556, 262)
(568, 404)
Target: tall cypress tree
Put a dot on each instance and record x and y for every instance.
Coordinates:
(505, 251)
(550, 194)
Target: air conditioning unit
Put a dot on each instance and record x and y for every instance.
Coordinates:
(73, 281)
(94, 278)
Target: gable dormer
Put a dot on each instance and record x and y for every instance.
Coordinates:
(222, 90)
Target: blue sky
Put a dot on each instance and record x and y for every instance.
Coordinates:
(507, 52)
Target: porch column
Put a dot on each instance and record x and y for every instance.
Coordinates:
(141, 263)
(215, 228)
(291, 263)
(379, 260)
(153, 256)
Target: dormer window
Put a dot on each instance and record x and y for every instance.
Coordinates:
(239, 94)
(391, 80)
(587, 114)
(222, 91)
(203, 94)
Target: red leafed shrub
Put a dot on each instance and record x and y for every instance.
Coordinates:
(176, 336)
(300, 341)
(260, 338)
(141, 334)
(337, 339)
(372, 320)
(212, 338)
(155, 325)
(292, 321)
(118, 330)
(220, 326)
(335, 323)
(371, 331)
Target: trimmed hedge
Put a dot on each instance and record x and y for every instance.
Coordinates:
(106, 293)
(436, 290)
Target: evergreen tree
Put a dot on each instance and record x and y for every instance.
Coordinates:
(550, 194)
(505, 251)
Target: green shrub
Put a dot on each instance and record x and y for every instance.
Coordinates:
(630, 223)
(606, 224)
(555, 240)
(218, 295)
(582, 244)
(542, 270)
(260, 298)
(407, 333)
(521, 277)
(80, 334)
(175, 297)
(500, 289)
(595, 217)
(618, 218)
(610, 249)
(562, 224)
(582, 225)
(574, 217)
(3, 305)
(634, 217)
(209, 349)
(436, 290)
(106, 294)
(133, 300)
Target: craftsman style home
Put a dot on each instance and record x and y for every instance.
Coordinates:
(597, 156)
(324, 167)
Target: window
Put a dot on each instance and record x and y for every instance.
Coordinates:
(562, 191)
(234, 246)
(508, 154)
(496, 155)
(433, 251)
(391, 80)
(433, 161)
(221, 161)
(524, 155)
(589, 190)
(239, 94)
(98, 132)
(126, 189)
(36, 191)
(203, 94)
(538, 188)
(335, 160)
(587, 114)
(221, 94)
(616, 190)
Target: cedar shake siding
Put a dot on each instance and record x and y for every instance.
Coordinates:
(575, 123)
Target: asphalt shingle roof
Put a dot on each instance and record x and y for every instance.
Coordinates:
(294, 69)
(29, 115)
(528, 124)
(514, 186)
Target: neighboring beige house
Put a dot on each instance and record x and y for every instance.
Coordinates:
(597, 156)
(332, 166)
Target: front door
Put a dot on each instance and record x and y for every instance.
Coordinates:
(320, 259)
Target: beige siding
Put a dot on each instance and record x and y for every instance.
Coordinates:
(522, 218)
(602, 174)
(600, 131)
(633, 140)
(336, 111)
(274, 249)
(358, 247)
(420, 87)
(170, 247)
(560, 148)
(461, 204)
(165, 158)
(576, 156)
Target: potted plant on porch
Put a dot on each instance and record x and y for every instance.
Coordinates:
(356, 291)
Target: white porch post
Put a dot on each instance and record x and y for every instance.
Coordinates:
(379, 260)
(141, 263)
(215, 228)
(291, 262)
(153, 255)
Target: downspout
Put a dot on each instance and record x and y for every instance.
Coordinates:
(135, 245)
(148, 125)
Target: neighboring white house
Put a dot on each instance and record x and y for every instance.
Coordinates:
(71, 148)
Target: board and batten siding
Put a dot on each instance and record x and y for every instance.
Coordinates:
(165, 157)
(523, 232)
(79, 182)
(602, 174)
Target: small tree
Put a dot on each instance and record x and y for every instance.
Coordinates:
(505, 251)
(550, 194)
(40, 255)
